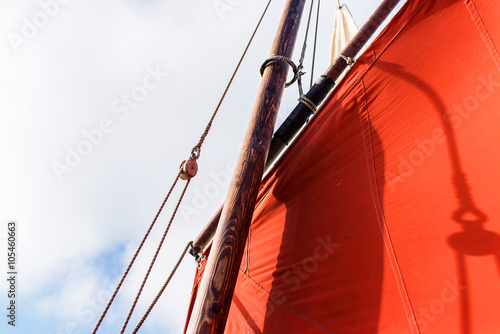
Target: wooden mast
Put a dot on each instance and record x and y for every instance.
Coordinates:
(216, 289)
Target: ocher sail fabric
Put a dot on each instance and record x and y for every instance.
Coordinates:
(384, 215)
(344, 30)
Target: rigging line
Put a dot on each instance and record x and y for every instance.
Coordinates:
(303, 53)
(304, 46)
(108, 305)
(197, 148)
(150, 308)
(195, 152)
(314, 46)
(154, 258)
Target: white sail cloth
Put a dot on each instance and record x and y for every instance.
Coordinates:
(343, 31)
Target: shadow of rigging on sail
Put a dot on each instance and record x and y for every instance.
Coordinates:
(329, 270)
(474, 239)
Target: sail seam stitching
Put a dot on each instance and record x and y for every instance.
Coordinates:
(377, 202)
(480, 26)
(241, 322)
(285, 304)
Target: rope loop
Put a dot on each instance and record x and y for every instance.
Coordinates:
(308, 103)
(296, 72)
(198, 257)
(350, 61)
(199, 260)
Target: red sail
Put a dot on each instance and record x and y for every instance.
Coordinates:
(384, 215)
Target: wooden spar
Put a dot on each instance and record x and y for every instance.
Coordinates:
(300, 114)
(206, 234)
(360, 39)
(324, 85)
(216, 288)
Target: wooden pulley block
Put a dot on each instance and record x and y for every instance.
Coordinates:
(188, 169)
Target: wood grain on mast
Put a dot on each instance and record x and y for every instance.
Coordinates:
(216, 289)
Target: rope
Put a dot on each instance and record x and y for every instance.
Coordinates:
(314, 47)
(108, 305)
(150, 308)
(303, 53)
(308, 103)
(297, 70)
(195, 152)
(154, 259)
(296, 73)
(304, 46)
(350, 61)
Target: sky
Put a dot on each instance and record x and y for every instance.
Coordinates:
(100, 103)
